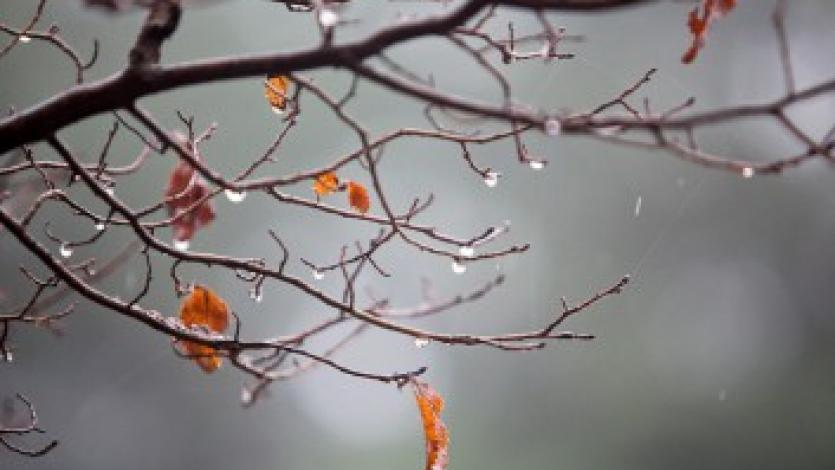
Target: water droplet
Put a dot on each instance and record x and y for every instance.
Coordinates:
(24, 38)
(421, 343)
(638, 206)
(256, 295)
(537, 164)
(109, 190)
(181, 245)
(553, 127)
(458, 268)
(328, 18)
(318, 275)
(277, 110)
(235, 196)
(65, 250)
(467, 251)
(246, 396)
(747, 172)
(492, 179)
(99, 226)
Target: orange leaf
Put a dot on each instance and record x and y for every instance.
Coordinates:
(430, 404)
(326, 183)
(205, 356)
(699, 25)
(358, 197)
(202, 307)
(275, 89)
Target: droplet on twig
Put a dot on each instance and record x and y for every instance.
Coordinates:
(421, 343)
(491, 179)
(458, 268)
(553, 127)
(256, 294)
(24, 38)
(99, 226)
(235, 196)
(747, 172)
(181, 245)
(536, 164)
(65, 250)
(318, 275)
(467, 251)
(328, 18)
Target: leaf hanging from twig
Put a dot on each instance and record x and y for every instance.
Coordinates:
(430, 404)
(202, 307)
(358, 197)
(699, 25)
(275, 89)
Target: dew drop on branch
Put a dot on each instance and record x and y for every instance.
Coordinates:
(99, 226)
(421, 343)
(181, 245)
(536, 164)
(491, 179)
(235, 196)
(458, 268)
(24, 38)
(318, 275)
(328, 18)
(65, 250)
(467, 251)
(256, 294)
(553, 127)
(747, 172)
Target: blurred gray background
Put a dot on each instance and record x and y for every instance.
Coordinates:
(719, 355)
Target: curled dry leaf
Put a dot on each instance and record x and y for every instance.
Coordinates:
(185, 189)
(358, 197)
(326, 183)
(699, 25)
(430, 404)
(202, 307)
(275, 89)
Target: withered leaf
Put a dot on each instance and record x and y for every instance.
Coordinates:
(183, 195)
(326, 183)
(699, 25)
(358, 197)
(430, 404)
(275, 89)
(202, 307)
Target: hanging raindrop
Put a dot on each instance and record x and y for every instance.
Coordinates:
(99, 226)
(235, 196)
(24, 38)
(467, 251)
(491, 179)
(553, 127)
(181, 245)
(318, 275)
(536, 164)
(328, 18)
(421, 343)
(65, 250)
(747, 172)
(256, 295)
(458, 268)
